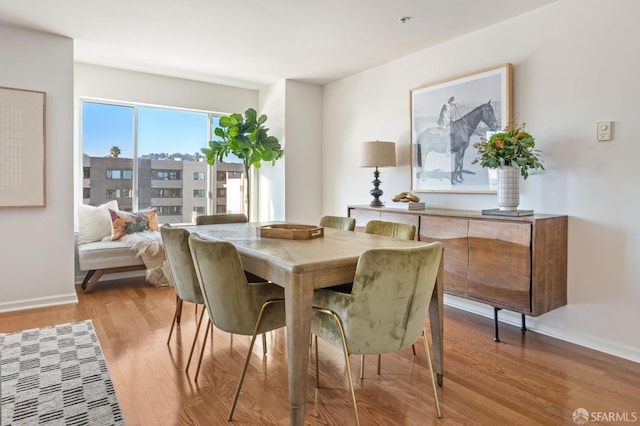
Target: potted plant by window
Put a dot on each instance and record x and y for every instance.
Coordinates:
(246, 137)
(512, 152)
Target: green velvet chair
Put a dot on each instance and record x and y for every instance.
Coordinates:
(216, 219)
(183, 276)
(234, 305)
(386, 310)
(338, 222)
(401, 231)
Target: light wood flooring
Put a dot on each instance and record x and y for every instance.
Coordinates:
(524, 380)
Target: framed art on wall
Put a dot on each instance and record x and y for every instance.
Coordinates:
(447, 118)
(22, 148)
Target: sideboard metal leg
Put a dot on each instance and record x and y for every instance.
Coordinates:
(524, 324)
(496, 336)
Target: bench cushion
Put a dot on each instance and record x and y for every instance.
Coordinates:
(106, 254)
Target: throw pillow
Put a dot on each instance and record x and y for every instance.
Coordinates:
(125, 223)
(94, 223)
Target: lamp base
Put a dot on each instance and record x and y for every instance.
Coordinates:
(376, 192)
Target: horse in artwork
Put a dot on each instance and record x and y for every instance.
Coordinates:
(461, 131)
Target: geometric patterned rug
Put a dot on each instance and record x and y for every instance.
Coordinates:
(56, 376)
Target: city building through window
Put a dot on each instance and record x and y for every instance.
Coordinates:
(147, 157)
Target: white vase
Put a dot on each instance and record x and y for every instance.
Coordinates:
(508, 188)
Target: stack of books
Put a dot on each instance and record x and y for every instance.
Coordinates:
(411, 205)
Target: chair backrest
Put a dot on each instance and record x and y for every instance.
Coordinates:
(216, 219)
(176, 249)
(390, 297)
(401, 231)
(339, 222)
(232, 303)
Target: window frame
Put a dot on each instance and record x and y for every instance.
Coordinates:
(211, 204)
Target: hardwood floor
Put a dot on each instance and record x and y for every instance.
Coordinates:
(525, 380)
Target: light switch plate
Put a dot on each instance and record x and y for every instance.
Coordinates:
(604, 131)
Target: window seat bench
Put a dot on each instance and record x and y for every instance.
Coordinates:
(106, 257)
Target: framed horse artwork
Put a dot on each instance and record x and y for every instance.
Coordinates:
(447, 118)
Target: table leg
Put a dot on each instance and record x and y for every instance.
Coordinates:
(298, 293)
(436, 320)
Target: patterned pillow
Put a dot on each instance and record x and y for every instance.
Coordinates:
(125, 223)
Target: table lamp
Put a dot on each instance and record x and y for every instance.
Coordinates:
(378, 154)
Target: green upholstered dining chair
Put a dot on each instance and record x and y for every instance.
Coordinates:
(338, 222)
(386, 309)
(215, 219)
(401, 231)
(183, 274)
(234, 305)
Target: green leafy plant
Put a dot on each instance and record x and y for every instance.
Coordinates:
(511, 147)
(246, 137)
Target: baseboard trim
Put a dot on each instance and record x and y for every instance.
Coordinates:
(39, 302)
(513, 318)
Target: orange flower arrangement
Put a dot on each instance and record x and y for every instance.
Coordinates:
(511, 147)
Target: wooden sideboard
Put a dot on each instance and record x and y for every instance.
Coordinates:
(513, 263)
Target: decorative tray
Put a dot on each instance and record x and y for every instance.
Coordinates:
(290, 231)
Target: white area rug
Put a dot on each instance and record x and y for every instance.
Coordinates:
(56, 376)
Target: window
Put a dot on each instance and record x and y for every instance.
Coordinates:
(169, 210)
(119, 174)
(118, 193)
(166, 193)
(167, 145)
(166, 175)
(114, 174)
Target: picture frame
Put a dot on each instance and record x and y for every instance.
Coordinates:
(447, 118)
(22, 148)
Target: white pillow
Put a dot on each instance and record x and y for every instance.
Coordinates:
(94, 223)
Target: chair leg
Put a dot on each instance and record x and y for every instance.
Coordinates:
(362, 367)
(175, 317)
(317, 369)
(179, 309)
(246, 361)
(346, 358)
(195, 338)
(204, 343)
(264, 344)
(379, 359)
(413, 348)
(433, 380)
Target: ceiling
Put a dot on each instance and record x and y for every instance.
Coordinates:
(255, 42)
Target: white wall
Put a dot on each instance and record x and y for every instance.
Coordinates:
(272, 178)
(36, 244)
(294, 109)
(304, 148)
(122, 85)
(575, 63)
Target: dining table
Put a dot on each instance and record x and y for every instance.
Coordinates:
(302, 265)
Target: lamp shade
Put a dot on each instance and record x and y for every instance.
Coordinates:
(378, 154)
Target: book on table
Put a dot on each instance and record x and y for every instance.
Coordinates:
(411, 205)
